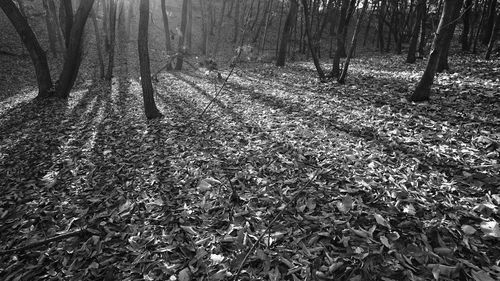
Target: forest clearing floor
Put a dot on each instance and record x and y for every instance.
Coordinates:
(389, 190)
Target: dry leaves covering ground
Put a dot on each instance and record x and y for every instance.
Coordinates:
(370, 187)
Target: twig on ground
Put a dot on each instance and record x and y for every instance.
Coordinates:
(46, 241)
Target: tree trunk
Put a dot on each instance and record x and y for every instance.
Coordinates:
(490, 21)
(381, 19)
(480, 27)
(423, 39)
(287, 31)
(100, 59)
(307, 27)
(219, 28)
(189, 25)
(36, 52)
(262, 45)
(464, 37)
(57, 25)
(181, 47)
(66, 16)
(112, 37)
(368, 25)
(168, 43)
(423, 89)
(51, 31)
(411, 58)
(204, 29)
(150, 108)
(342, 77)
(443, 57)
(340, 39)
(73, 56)
(236, 21)
(493, 38)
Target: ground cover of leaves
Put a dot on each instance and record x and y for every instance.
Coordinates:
(399, 191)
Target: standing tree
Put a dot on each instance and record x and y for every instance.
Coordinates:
(287, 32)
(181, 46)
(423, 89)
(31, 43)
(342, 77)
(464, 37)
(412, 49)
(493, 37)
(443, 57)
(150, 108)
(112, 39)
(74, 52)
(307, 27)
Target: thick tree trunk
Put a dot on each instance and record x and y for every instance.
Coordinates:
(287, 32)
(112, 37)
(412, 49)
(73, 56)
(423, 89)
(307, 27)
(181, 47)
(464, 37)
(342, 77)
(443, 57)
(31, 43)
(150, 108)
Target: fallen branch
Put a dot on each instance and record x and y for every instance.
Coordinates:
(46, 241)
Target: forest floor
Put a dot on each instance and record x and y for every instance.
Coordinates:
(363, 184)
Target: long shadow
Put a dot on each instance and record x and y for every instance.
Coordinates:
(447, 165)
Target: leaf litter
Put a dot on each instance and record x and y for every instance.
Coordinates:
(398, 191)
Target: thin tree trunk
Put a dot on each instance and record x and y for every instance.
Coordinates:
(286, 34)
(181, 47)
(493, 38)
(31, 43)
(340, 42)
(262, 45)
(307, 27)
(490, 22)
(189, 25)
(150, 108)
(50, 28)
(74, 53)
(112, 37)
(66, 13)
(204, 29)
(342, 77)
(100, 59)
(168, 43)
(423, 89)
(423, 39)
(236, 21)
(411, 58)
(464, 37)
(381, 19)
(219, 28)
(480, 27)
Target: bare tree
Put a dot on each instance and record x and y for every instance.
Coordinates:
(36, 52)
(423, 89)
(287, 32)
(150, 108)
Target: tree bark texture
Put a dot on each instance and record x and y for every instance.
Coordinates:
(31, 43)
(150, 108)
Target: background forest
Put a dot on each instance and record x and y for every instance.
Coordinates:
(249, 140)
